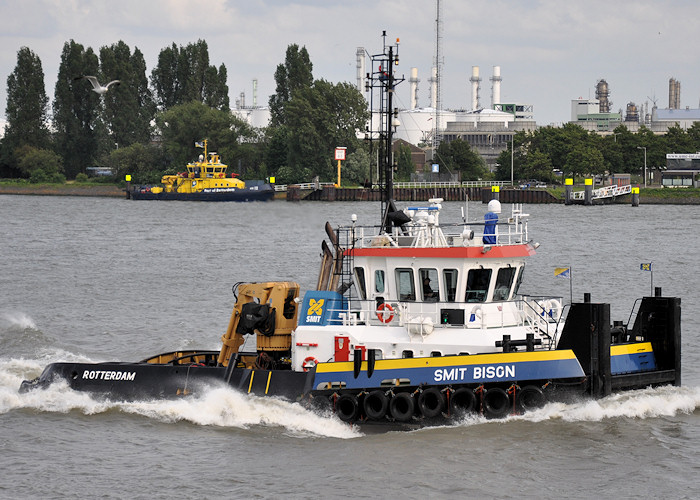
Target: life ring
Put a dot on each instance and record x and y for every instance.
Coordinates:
(553, 309)
(380, 312)
(309, 363)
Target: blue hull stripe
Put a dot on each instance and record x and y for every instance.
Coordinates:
(469, 371)
(632, 363)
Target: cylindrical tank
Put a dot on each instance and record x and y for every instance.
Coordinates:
(602, 93)
(632, 114)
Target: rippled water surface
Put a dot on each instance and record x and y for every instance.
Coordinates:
(96, 279)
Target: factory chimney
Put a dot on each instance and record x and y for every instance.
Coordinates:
(475, 87)
(602, 93)
(360, 55)
(413, 81)
(433, 88)
(496, 87)
(674, 94)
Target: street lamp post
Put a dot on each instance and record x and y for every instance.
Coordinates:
(645, 163)
(512, 147)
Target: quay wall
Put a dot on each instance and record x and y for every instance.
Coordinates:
(331, 193)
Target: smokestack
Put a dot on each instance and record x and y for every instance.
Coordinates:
(360, 55)
(433, 89)
(496, 87)
(674, 94)
(413, 81)
(255, 92)
(475, 87)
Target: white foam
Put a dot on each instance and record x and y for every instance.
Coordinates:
(225, 407)
(644, 403)
(17, 320)
(222, 407)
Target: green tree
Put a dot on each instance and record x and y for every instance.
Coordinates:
(538, 166)
(319, 119)
(458, 156)
(129, 108)
(508, 163)
(27, 108)
(184, 124)
(184, 74)
(404, 164)
(77, 110)
(356, 167)
(293, 75)
(40, 165)
(276, 148)
(584, 160)
(694, 136)
(145, 163)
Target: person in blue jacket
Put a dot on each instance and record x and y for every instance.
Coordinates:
(490, 221)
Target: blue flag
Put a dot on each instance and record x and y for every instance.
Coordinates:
(562, 272)
(645, 266)
(199, 144)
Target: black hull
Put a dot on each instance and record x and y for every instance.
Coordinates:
(263, 193)
(138, 381)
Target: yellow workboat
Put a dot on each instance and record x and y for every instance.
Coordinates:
(204, 180)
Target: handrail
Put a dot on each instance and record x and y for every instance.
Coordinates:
(604, 192)
(467, 184)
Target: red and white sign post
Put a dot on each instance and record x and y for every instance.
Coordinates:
(340, 156)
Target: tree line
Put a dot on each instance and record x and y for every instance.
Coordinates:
(549, 153)
(147, 125)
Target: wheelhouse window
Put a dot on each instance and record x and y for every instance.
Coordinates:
(360, 281)
(430, 287)
(518, 281)
(504, 280)
(405, 284)
(379, 281)
(477, 285)
(449, 277)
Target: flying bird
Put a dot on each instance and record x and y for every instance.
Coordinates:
(96, 87)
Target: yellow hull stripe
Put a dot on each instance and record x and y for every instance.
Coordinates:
(269, 376)
(250, 386)
(448, 361)
(618, 350)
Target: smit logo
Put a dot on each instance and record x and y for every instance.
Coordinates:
(315, 307)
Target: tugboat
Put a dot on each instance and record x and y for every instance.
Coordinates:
(412, 322)
(204, 180)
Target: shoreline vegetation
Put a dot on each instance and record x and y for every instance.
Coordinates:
(649, 196)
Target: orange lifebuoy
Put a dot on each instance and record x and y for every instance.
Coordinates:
(309, 363)
(380, 312)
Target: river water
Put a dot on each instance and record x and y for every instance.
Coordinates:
(96, 279)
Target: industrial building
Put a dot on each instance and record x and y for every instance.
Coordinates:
(682, 170)
(595, 114)
(488, 130)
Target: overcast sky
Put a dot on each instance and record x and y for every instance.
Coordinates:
(549, 51)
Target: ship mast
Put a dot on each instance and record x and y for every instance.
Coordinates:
(383, 80)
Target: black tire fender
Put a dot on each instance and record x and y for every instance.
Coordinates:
(431, 402)
(402, 406)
